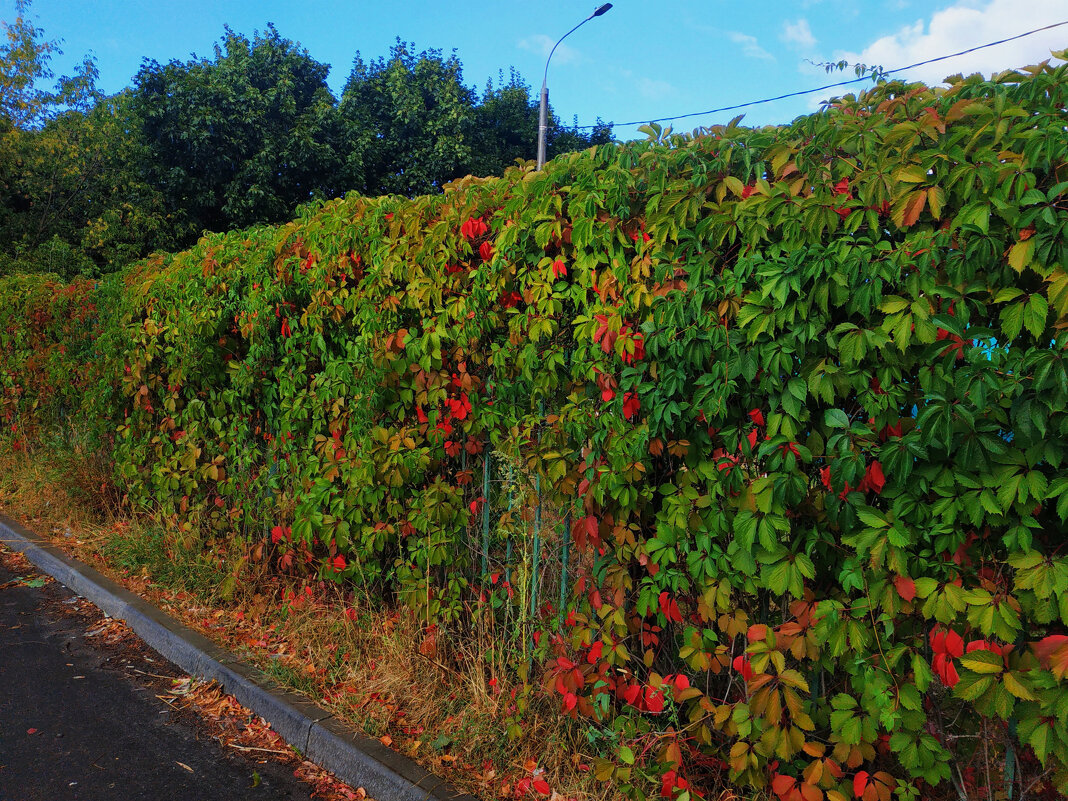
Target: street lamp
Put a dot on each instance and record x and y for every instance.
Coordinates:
(543, 112)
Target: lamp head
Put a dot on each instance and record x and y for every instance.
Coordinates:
(601, 10)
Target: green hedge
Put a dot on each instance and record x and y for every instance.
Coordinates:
(47, 333)
(798, 394)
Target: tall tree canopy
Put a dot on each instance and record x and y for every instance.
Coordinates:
(243, 138)
(89, 183)
(504, 128)
(405, 120)
(63, 161)
(411, 125)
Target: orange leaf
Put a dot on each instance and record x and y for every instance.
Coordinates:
(913, 208)
(782, 784)
(1052, 652)
(906, 587)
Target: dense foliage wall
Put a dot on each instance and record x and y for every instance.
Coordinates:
(47, 330)
(786, 409)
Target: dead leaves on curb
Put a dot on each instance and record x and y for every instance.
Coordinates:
(237, 728)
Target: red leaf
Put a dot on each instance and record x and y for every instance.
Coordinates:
(954, 644)
(742, 665)
(874, 477)
(631, 405)
(985, 645)
(670, 608)
(595, 652)
(541, 787)
(485, 250)
(906, 587)
(756, 416)
(860, 783)
(570, 701)
(473, 228)
(825, 476)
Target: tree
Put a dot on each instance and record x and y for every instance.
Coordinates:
(405, 122)
(504, 128)
(412, 126)
(51, 160)
(241, 139)
(24, 60)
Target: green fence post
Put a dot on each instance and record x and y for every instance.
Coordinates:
(565, 547)
(537, 550)
(508, 546)
(485, 511)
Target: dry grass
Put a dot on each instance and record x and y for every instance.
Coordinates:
(448, 707)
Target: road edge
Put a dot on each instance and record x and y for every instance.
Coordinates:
(332, 744)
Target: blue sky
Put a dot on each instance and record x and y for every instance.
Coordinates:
(639, 61)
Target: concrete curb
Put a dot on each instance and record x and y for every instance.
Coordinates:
(350, 755)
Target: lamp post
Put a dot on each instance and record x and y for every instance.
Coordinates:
(543, 112)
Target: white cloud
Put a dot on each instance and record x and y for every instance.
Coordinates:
(798, 33)
(655, 90)
(542, 45)
(750, 47)
(966, 25)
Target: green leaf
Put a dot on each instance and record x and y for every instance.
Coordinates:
(1039, 741)
(971, 687)
(835, 418)
(1034, 317)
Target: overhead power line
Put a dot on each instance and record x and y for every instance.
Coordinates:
(824, 88)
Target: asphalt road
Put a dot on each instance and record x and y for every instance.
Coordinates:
(80, 721)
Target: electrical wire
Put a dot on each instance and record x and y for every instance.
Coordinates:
(824, 88)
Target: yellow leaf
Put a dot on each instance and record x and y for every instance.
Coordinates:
(935, 199)
(914, 174)
(1020, 254)
(1017, 688)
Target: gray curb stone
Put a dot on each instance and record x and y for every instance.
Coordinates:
(350, 755)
